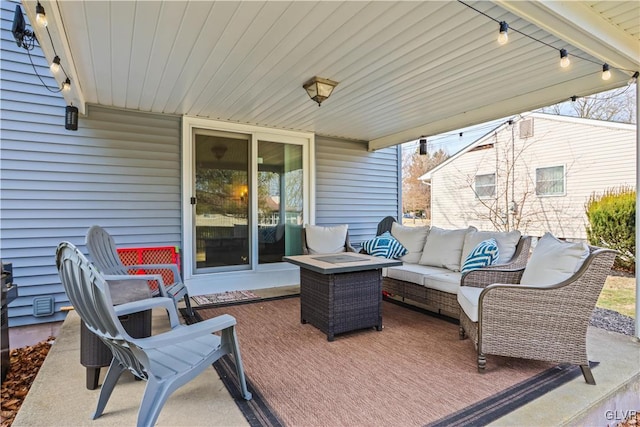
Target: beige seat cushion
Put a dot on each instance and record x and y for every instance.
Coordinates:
(326, 240)
(412, 238)
(553, 261)
(443, 248)
(468, 297)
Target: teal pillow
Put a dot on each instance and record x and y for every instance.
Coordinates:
(485, 253)
(384, 245)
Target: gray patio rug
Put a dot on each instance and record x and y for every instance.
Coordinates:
(414, 372)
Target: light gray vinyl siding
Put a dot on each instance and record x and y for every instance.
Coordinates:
(120, 170)
(355, 186)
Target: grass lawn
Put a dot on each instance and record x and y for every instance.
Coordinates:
(618, 294)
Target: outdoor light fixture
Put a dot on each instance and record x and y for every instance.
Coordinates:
(319, 88)
(55, 65)
(503, 37)
(66, 86)
(564, 58)
(71, 117)
(606, 74)
(41, 17)
(633, 78)
(423, 146)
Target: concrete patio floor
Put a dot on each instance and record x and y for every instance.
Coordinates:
(58, 396)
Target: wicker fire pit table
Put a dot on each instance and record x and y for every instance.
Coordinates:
(341, 292)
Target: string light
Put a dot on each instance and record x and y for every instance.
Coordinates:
(55, 65)
(503, 36)
(606, 74)
(634, 78)
(564, 58)
(66, 86)
(41, 17)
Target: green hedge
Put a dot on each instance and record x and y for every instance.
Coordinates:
(612, 224)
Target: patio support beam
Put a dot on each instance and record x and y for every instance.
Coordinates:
(637, 324)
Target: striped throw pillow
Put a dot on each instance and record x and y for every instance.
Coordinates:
(384, 245)
(485, 253)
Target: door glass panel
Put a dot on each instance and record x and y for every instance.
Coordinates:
(222, 201)
(280, 201)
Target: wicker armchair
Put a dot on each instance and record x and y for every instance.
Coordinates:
(539, 322)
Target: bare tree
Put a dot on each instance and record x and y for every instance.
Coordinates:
(618, 105)
(416, 195)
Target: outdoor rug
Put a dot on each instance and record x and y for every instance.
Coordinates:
(415, 372)
(223, 297)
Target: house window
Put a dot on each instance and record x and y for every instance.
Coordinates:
(485, 185)
(550, 181)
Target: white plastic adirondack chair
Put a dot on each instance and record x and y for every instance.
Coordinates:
(103, 252)
(166, 361)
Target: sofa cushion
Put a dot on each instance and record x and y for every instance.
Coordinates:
(468, 297)
(443, 248)
(412, 273)
(384, 245)
(442, 279)
(507, 242)
(485, 253)
(412, 238)
(326, 240)
(553, 261)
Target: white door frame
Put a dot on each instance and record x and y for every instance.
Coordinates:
(259, 276)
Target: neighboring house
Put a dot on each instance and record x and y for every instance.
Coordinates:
(534, 173)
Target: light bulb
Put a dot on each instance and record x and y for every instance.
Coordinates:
(66, 86)
(41, 17)
(564, 58)
(633, 78)
(55, 65)
(606, 74)
(503, 37)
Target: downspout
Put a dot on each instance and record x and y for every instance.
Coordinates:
(637, 325)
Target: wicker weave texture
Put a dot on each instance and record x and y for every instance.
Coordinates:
(336, 303)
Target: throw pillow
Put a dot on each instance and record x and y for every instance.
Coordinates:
(444, 248)
(507, 242)
(412, 238)
(384, 245)
(485, 253)
(326, 240)
(553, 261)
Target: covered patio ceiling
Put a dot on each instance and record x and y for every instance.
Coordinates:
(405, 68)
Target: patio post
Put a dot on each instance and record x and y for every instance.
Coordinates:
(637, 324)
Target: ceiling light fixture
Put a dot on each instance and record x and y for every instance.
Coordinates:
(319, 88)
(503, 37)
(41, 17)
(564, 58)
(606, 74)
(219, 151)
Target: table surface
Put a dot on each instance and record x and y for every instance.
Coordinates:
(344, 262)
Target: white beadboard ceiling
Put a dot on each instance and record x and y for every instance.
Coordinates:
(405, 68)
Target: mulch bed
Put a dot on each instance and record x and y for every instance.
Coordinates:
(24, 365)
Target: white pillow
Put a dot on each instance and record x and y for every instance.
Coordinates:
(443, 248)
(326, 240)
(412, 238)
(553, 261)
(507, 242)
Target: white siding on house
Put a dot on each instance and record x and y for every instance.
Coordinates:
(596, 156)
(355, 186)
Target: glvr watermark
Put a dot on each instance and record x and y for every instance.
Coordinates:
(620, 415)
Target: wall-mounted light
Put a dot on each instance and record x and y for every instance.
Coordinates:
(606, 74)
(503, 36)
(71, 118)
(41, 17)
(319, 88)
(564, 58)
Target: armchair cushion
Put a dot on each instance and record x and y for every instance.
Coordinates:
(443, 248)
(553, 261)
(384, 245)
(412, 238)
(485, 253)
(326, 240)
(468, 297)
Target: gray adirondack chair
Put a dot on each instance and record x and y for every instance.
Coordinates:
(102, 249)
(167, 360)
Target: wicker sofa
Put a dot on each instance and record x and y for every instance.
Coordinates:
(435, 287)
